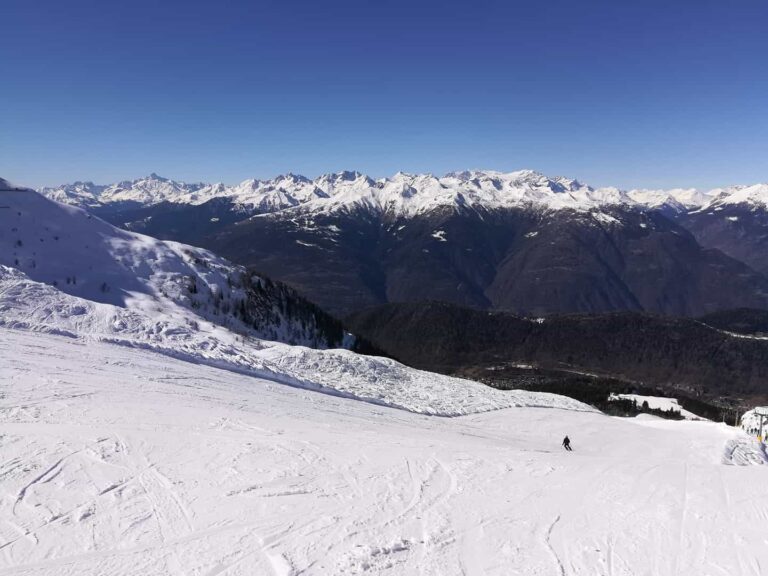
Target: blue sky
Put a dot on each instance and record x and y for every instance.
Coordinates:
(628, 93)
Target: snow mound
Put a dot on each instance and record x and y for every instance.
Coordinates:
(744, 451)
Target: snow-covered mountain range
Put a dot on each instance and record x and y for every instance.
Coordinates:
(402, 193)
(518, 241)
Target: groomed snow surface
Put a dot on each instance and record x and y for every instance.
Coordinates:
(117, 460)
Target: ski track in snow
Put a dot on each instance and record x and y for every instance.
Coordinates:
(119, 461)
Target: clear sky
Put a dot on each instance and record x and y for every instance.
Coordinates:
(616, 92)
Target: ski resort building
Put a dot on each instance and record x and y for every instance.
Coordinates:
(755, 422)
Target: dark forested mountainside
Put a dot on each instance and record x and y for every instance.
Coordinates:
(676, 354)
(187, 223)
(746, 321)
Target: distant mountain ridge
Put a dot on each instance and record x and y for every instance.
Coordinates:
(404, 193)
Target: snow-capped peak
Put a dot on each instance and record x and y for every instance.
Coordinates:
(678, 199)
(755, 195)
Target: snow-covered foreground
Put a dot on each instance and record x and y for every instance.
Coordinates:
(119, 461)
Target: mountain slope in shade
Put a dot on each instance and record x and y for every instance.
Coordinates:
(187, 223)
(738, 230)
(744, 321)
(522, 260)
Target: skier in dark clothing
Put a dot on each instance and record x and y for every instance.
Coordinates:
(567, 444)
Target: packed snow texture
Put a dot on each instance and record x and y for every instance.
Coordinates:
(404, 193)
(124, 462)
(745, 451)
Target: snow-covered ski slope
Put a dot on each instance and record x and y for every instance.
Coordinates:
(117, 461)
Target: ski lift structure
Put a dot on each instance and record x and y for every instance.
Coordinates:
(755, 422)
